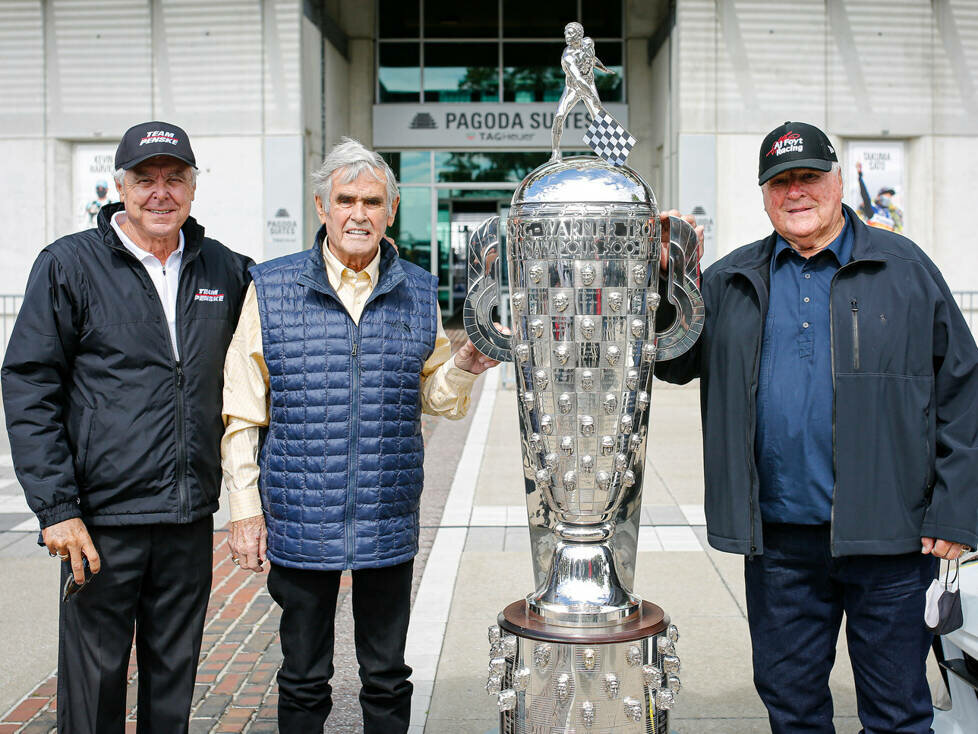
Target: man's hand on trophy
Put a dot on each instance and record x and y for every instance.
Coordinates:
(470, 359)
(664, 251)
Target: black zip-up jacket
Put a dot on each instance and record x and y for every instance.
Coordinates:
(104, 423)
(905, 377)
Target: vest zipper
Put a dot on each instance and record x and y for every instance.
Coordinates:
(354, 456)
(855, 333)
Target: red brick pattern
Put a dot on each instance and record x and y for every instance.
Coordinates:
(239, 657)
(240, 654)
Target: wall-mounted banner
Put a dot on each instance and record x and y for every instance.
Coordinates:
(92, 183)
(283, 197)
(875, 186)
(482, 125)
(698, 187)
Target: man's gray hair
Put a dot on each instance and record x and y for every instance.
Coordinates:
(353, 158)
(120, 175)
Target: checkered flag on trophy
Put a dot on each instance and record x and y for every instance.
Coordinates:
(606, 137)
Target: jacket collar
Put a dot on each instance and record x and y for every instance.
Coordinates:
(193, 233)
(313, 274)
(863, 248)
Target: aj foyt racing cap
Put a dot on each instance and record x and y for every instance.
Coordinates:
(794, 145)
(148, 139)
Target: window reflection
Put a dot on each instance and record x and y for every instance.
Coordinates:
(399, 72)
(455, 19)
(399, 18)
(547, 19)
(610, 86)
(474, 167)
(461, 72)
(531, 72)
(412, 226)
(410, 166)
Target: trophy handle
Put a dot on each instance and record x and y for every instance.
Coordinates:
(483, 257)
(683, 292)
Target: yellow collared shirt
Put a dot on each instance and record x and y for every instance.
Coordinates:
(445, 389)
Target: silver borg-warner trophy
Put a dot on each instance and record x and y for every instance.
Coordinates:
(583, 653)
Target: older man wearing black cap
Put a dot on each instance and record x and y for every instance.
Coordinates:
(112, 391)
(839, 383)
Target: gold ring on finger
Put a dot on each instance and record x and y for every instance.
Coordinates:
(64, 557)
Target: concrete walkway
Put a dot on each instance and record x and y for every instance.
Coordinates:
(475, 559)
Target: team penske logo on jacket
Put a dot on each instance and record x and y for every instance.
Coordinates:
(159, 136)
(209, 294)
(787, 143)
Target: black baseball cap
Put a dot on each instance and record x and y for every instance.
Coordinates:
(794, 145)
(148, 139)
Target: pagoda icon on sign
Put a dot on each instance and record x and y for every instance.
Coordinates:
(423, 121)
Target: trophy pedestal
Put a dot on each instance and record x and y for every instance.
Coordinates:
(585, 679)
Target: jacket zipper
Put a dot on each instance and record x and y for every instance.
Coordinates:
(183, 511)
(751, 438)
(181, 448)
(835, 467)
(855, 333)
(354, 457)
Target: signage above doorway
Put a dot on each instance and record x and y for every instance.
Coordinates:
(478, 126)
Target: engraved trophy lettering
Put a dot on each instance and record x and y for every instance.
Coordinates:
(583, 652)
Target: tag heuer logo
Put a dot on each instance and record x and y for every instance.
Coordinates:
(423, 121)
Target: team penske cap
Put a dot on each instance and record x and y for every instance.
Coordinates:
(794, 145)
(149, 139)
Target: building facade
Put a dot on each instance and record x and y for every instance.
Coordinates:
(460, 96)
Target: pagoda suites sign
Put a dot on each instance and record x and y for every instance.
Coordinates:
(479, 125)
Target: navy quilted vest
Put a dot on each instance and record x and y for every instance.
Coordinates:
(341, 461)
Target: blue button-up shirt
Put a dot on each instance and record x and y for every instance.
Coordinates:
(794, 392)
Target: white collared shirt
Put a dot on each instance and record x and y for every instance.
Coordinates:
(166, 277)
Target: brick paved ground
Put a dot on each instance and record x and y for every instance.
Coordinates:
(240, 654)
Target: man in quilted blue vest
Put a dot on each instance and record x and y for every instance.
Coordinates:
(338, 351)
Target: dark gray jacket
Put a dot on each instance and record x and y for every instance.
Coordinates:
(905, 372)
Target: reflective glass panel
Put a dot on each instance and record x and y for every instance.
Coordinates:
(455, 19)
(610, 86)
(410, 166)
(546, 19)
(399, 72)
(471, 167)
(461, 72)
(399, 18)
(602, 20)
(531, 72)
(412, 226)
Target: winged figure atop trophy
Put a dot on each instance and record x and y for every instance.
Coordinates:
(605, 135)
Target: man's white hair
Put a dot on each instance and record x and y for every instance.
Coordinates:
(352, 158)
(120, 175)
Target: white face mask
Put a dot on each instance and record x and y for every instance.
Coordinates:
(942, 606)
(885, 201)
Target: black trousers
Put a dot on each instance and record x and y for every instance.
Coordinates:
(381, 610)
(156, 578)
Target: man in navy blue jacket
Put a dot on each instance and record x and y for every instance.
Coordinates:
(839, 387)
